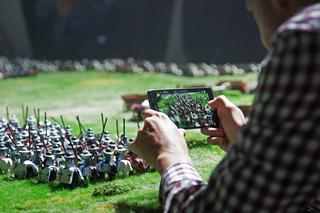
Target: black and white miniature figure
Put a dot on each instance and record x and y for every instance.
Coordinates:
(107, 164)
(123, 165)
(5, 161)
(70, 174)
(87, 169)
(24, 167)
(48, 172)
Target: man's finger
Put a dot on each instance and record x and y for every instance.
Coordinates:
(148, 124)
(212, 132)
(215, 140)
(132, 146)
(220, 101)
(148, 113)
(140, 134)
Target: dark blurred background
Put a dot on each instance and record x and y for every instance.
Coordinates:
(158, 30)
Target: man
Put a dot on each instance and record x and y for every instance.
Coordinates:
(272, 163)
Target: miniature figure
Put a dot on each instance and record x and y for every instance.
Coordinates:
(48, 172)
(23, 167)
(70, 174)
(5, 162)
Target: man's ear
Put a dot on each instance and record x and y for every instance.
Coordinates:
(281, 5)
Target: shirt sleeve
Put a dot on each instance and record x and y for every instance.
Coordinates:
(179, 182)
(274, 166)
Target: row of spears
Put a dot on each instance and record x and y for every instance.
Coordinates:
(50, 151)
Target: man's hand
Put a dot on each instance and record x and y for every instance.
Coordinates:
(160, 142)
(231, 121)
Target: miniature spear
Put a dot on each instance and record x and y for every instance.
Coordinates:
(52, 118)
(62, 142)
(13, 142)
(104, 123)
(102, 119)
(67, 136)
(38, 120)
(35, 113)
(124, 127)
(7, 111)
(80, 128)
(117, 155)
(79, 124)
(45, 125)
(137, 122)
(43, 142)
(117, 126)
(23, 112)
(62, 121)
(12, 138)
(29, 136)
(26, 117)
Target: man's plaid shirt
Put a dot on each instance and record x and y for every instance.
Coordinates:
(275, 165)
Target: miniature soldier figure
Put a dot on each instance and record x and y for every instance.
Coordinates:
(124, 140)
(24, 168)
(59, 159)
(38, 157)
(5, 162)
(90, 139)
(25, 135)
(94, 150)
(75, 141)
(70, 174)
(48, 171)
(14, 122)
(20, 145)
(87, 168)
(107, 165)
(31, 121)
(123, 165)
(105, 142)
(68, 131)
(112, 145)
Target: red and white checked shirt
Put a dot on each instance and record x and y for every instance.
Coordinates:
(275, 164)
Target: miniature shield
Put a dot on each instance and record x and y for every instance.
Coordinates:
(26, 169)
(47, 174)
(70, 176)
(5, 165)
(124, 167)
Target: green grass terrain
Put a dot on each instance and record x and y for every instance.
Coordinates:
(88, 94)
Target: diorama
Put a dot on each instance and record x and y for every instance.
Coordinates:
(74, 81)
(64, 147)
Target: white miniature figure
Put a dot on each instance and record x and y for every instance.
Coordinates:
(123, 166)
(24, 168)
(70, 174)
(48, 172)
(5, 162)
